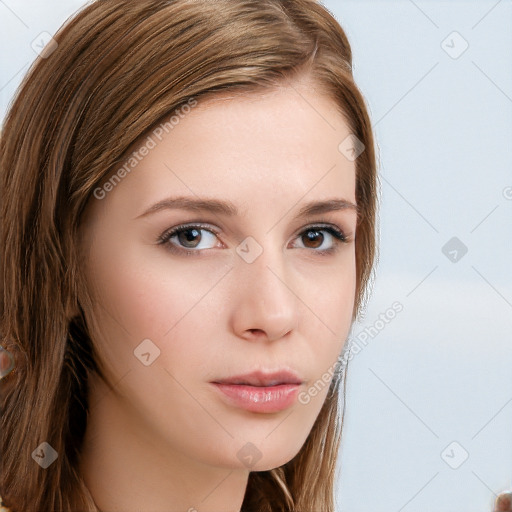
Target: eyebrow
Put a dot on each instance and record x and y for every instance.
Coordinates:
(227, 208)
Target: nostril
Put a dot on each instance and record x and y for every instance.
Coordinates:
(256, 333)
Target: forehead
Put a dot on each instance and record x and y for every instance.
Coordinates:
(273, 148)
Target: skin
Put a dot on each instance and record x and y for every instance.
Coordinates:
(163, 438)
(503, 502)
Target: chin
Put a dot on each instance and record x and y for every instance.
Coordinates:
(272, 452)
(276, 459)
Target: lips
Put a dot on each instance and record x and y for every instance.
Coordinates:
(260, 392)
(263, 379)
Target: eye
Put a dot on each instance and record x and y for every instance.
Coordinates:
(187, 239)
(314, 238)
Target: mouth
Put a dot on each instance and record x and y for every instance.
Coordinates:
(260, 392)
(263, 379)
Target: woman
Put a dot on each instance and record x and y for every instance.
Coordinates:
(141, 369)
(170, 352)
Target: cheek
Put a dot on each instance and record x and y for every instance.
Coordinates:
(141, 293)
(328, 293)
(326, 326)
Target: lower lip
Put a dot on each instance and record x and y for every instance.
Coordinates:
(260, 399)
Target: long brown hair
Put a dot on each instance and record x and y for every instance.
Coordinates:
(119, 67)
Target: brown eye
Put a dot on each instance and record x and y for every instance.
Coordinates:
(312, 239)
(317, 237)
(188, 237)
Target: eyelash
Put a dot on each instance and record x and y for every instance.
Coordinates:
(164, 238)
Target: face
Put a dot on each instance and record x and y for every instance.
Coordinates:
(188, 297)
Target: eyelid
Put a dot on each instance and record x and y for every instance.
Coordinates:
(323, 226)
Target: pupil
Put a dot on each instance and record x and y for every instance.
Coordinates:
(184, 238)
(311, 235)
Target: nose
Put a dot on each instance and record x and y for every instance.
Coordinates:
(265, 304)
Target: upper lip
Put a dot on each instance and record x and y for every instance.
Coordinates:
(261, 378)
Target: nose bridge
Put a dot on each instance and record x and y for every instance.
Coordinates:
(264, 294)
(266, 270)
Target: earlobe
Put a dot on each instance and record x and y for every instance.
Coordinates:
(6, 362)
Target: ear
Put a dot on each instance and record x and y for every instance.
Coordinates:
(6, 363)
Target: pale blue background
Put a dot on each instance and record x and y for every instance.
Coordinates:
(441, 371)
